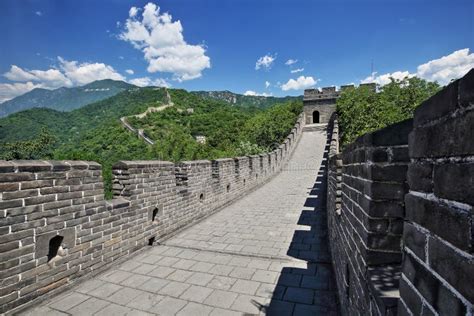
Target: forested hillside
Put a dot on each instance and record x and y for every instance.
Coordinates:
(94, 132)
(245, 101)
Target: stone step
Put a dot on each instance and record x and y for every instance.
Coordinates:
(315, 127)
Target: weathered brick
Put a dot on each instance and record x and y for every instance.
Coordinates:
(452, 137)
(455, 181)
(456, 269)
(420, 177)
(450, 223)
(415, 240)
(439, 105)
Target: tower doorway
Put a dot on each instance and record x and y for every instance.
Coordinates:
(315, 117)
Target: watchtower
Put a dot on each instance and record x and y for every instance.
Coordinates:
(319, 105)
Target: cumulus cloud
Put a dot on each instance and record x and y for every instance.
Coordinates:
(290, 62)
(133, 12)
(39, 13)
(67, 74)
(267, 84)
(446, 68)
(256, 94)
(162, 42)
(129, 71)
(147, 81)
(385, 78)
(265, 62)
(300, 83)
(442, 70)
(297, 70)
(83, 73)
(10, 90)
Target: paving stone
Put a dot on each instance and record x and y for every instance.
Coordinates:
(179, 275)
(44, 310)
(69, 301)
(89, 285)
(221, 282)
(224, 312)
(220, 269)
(115, 276)
(202, 267)
(105, 290)
(298, 295)
(135, 280)
(271, 291)
(242, 273)
(137, 312)
(144, 268)
(145, 301)
(194, 309)
(184, 264)
(154, 285)
(277, 307)
(114, 309)
(88, 307)
(199, 278)
(124, 295)
(196, 293)
(161, 272)
(249, 304)
(174, 289)
(245, 287)
(168, 306)
(265, 276)
(220, 298)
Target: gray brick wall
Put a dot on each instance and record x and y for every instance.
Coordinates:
(366, 185)
(400, 212)
(438, 266)
(56, 227)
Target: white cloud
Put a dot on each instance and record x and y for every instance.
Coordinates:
(39, 13)
(265, 62)
(129, 71)
(443, 70)
(385, 78)
(133, 12)
(147, 81)
(301, 83)
(267, 84)
(297, 70)
(256, 94)
(162, 43)
(10, 90)
(67, 74)
(291, 61)
(81, 74)
(452, 66)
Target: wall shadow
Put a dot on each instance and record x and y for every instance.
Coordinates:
(308, 288)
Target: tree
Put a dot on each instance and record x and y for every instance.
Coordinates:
(362, 110)
(38, 148)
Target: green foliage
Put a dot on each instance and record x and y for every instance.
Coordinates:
(95, 133)
(362, 110)
(268, 128)
(37, 148)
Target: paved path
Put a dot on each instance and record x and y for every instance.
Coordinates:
(264, 254)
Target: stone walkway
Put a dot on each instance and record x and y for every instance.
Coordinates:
(265, 254)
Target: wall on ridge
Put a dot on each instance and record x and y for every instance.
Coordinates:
(400, 211)
(56, 227)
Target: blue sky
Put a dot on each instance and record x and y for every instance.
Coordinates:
(216, 44)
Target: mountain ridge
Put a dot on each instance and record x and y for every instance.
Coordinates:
(64, 98)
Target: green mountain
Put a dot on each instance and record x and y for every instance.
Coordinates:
(64, 99)
(246, 101)
(67, 126)
(95, 132)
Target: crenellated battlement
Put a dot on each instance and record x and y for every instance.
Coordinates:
(56, 226)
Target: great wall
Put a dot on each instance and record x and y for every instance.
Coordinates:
(382, 227)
